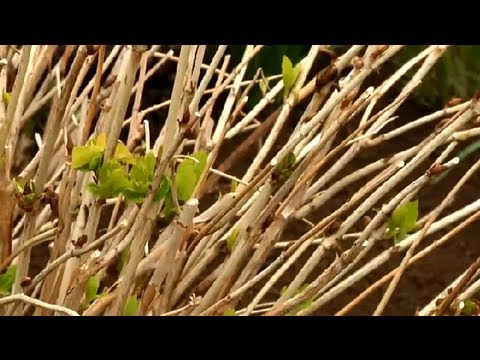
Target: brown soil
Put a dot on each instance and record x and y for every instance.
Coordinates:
(427, 277)
(430, 275)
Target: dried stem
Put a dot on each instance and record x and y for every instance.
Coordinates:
(433, 216)
(28, 300)
(449, 236)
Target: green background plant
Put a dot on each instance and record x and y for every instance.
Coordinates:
(457, 73)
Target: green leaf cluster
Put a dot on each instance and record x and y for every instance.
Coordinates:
(112, 177)
(111, 180)
(25, 193)
(89, 157)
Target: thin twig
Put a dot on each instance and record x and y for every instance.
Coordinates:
(28, 300)
(75, 253)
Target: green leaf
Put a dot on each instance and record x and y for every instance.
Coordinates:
(169, 207)
(306, 304)
(18, 185)
(29, 199)
(100, 141)
(263, 84)
(289, 74)
(402, 221)
(287, 162)
(112, 180)
(91, 289)
(302, 288)
(186, 179)
(303, 305)
(233, 186)
(123, 155)
(470, 308)
(284, 169)
(89, 157)
(113, 176)
(136, 192)
(131, 306)
(201, 156)
(299, 290)
(141, 177)
(232, 240)
(296, 71)
(122, 260)
(7, 97)
(24, 191)
(230, 312)
(163, 189)
(86, 158)
(7, 279)
(134, 195)
(188, 174)
(144, 169)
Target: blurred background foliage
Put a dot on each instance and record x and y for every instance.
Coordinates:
(457, 74)
(270, 60)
